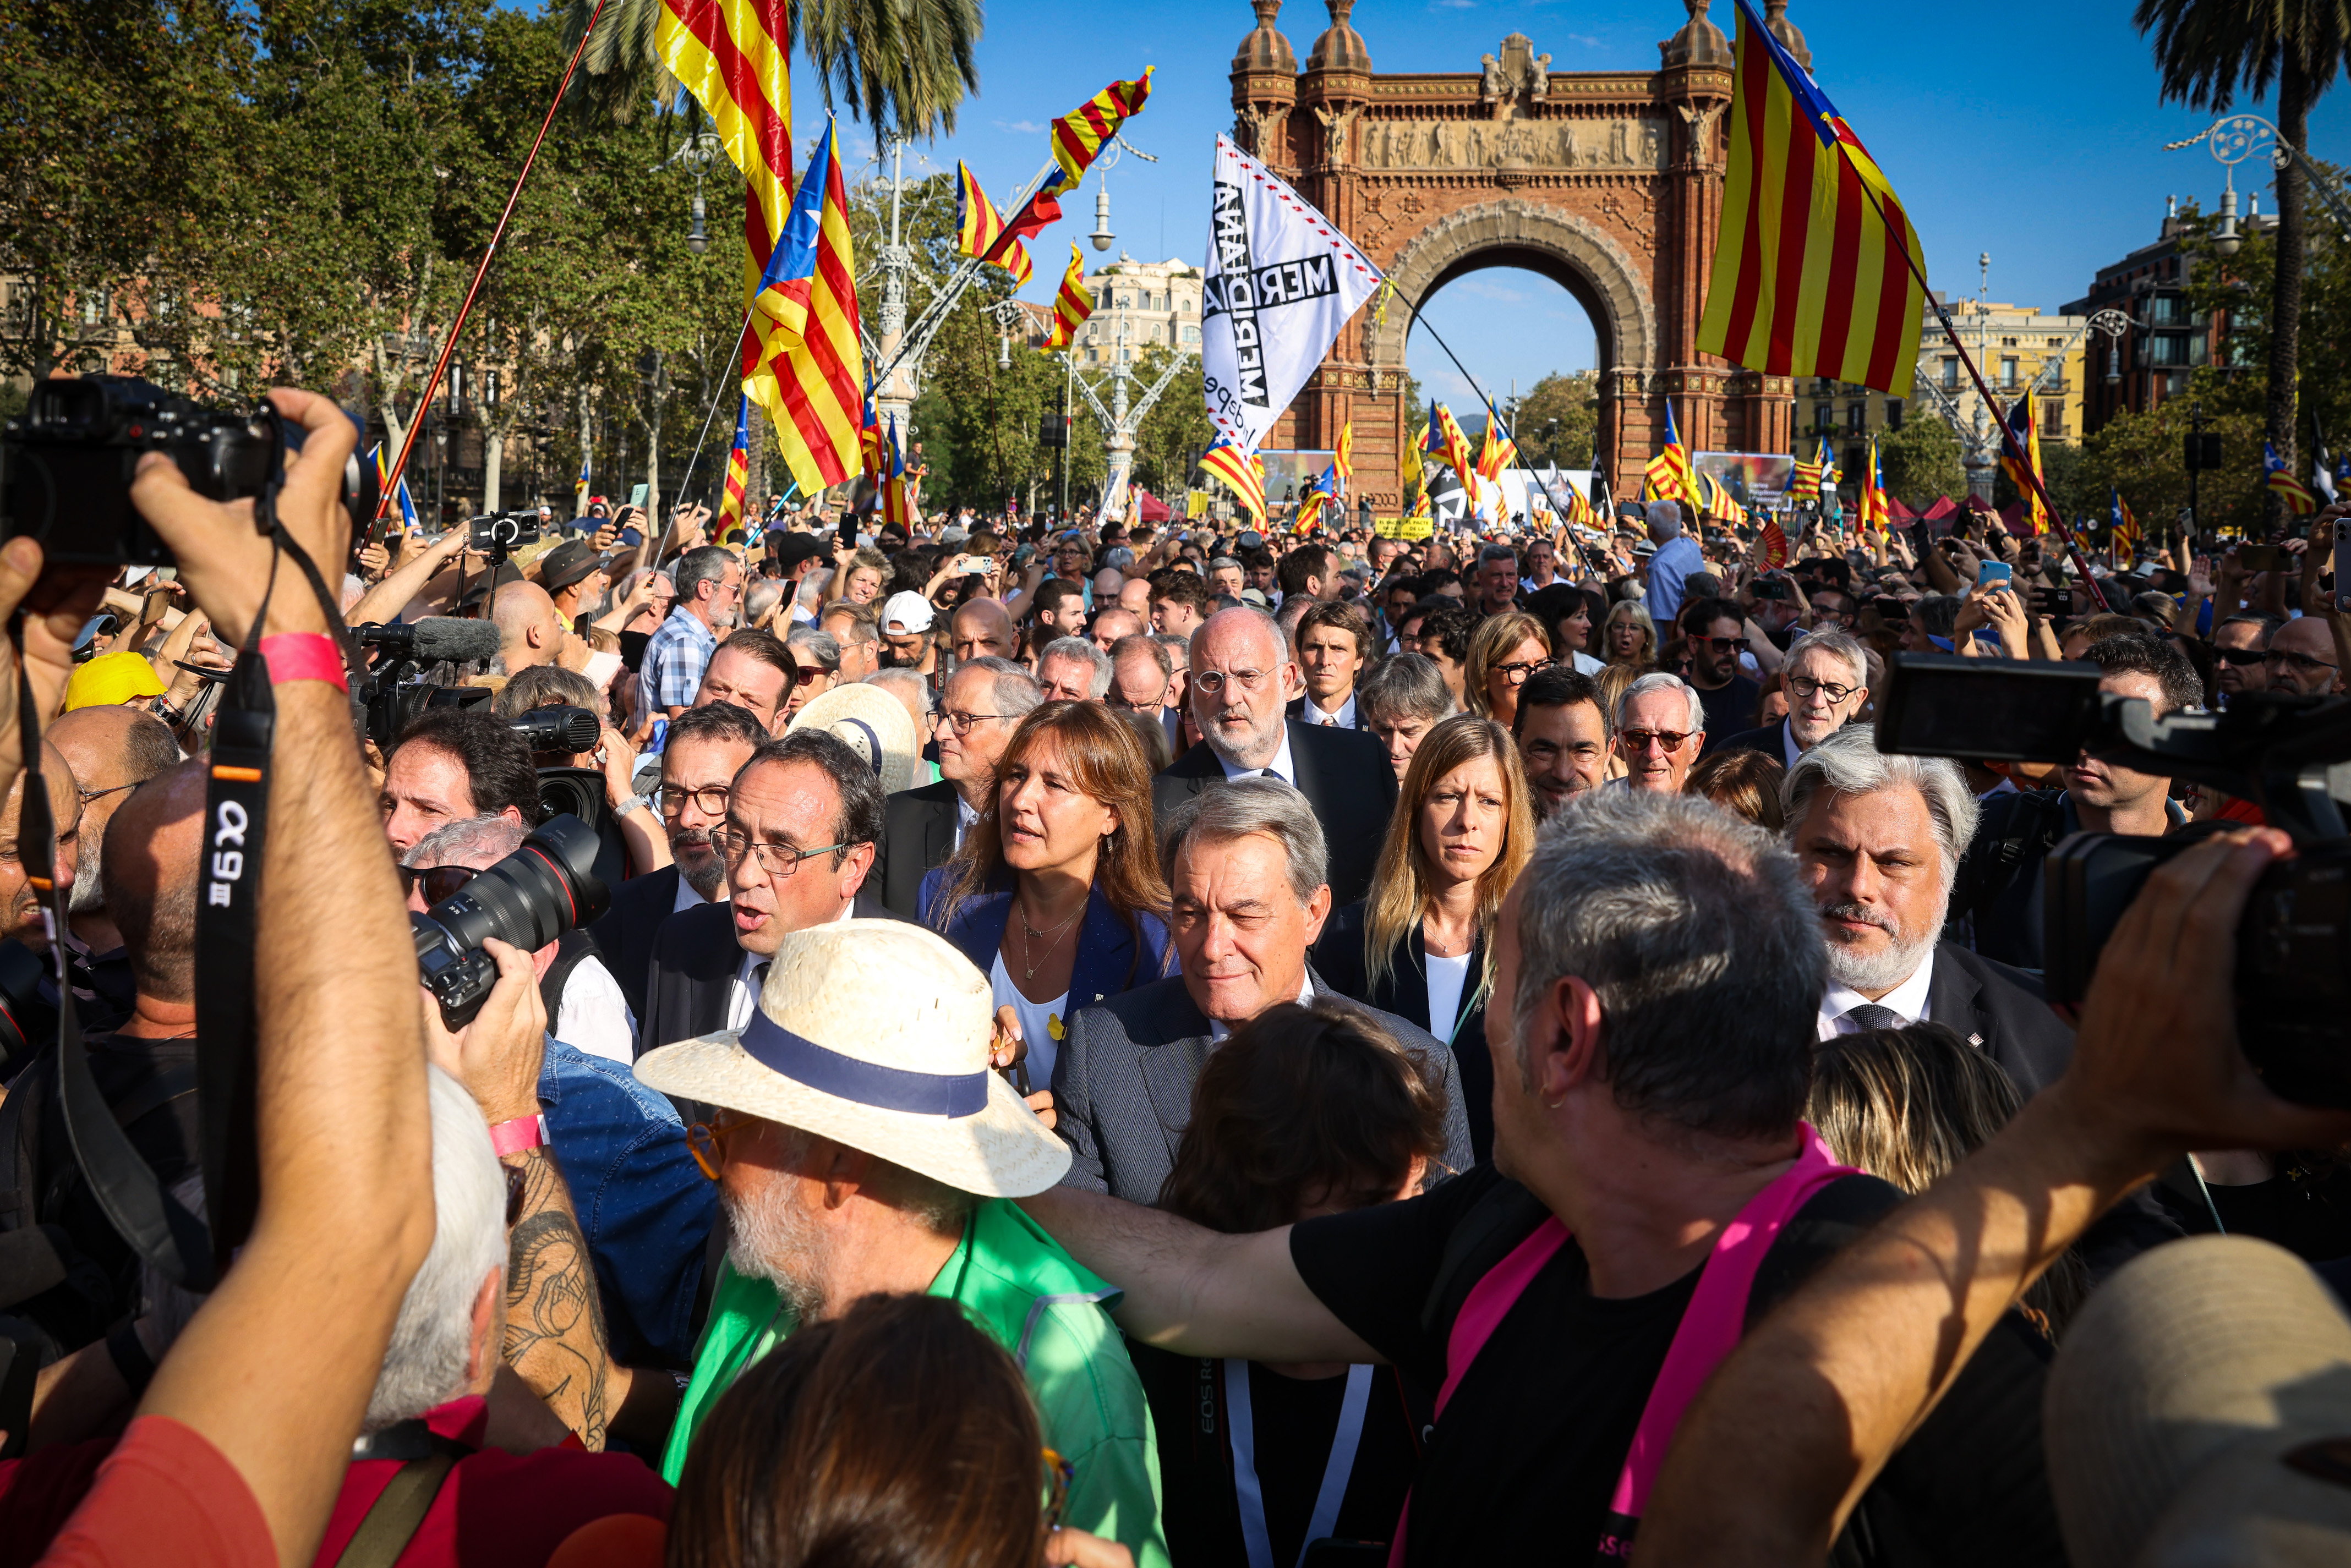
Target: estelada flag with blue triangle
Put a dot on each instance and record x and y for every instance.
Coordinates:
(2298, 498)
(1242, 471)
(873, 446)
(1446, 443)
(897, 506)
(1344, 464)
(738, 470)
(2121, 527)
(978, 227)
(1668, 474)
(2025, 430)
(801, 361)
(1498, 452)
(1874, 511)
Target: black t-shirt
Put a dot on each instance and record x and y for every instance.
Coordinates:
(1293, 1423)
(1521, 1466)
(1730, 707)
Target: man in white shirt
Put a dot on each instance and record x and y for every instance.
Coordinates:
(1334, 643)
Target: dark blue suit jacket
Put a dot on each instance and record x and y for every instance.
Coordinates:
(1109, 958)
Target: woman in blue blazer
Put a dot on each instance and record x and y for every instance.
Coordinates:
(1056, 894)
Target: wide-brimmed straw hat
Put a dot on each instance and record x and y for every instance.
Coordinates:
(875, 1034)
(873, 724)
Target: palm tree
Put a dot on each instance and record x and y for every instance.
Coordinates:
(900, 66)
(2209, 51)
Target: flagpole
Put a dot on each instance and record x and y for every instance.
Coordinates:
(449, 344)
(1491, 413)
(2008, 437)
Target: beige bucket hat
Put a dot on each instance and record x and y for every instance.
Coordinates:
(875, 1034)
(874, 724)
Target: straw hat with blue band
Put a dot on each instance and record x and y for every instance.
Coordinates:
(875, 1034)
(873, 724)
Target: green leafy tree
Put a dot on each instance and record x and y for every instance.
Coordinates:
(1574, 401)
(2144, 457)
(1921, 461)
(1176, 431)
(2207, 51)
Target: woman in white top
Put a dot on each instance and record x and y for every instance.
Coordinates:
(1056, 894)
(1421, 944)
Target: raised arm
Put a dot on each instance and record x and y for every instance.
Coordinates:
(276, 1370)
(1195, 1291)
(1779, 1448)
(384, 601)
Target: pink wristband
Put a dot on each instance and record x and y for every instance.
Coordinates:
(305, 656)
(515, 1137)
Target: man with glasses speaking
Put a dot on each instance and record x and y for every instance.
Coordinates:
(980, 706)
(803, 818)
(1827, 679)
(1240, 674)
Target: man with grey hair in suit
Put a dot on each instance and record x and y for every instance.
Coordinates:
(1246, 865)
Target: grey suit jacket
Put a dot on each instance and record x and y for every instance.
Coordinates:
(1123, 1085)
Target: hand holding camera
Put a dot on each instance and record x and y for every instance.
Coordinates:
(497, 1055)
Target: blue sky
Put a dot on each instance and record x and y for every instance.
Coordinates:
(2033, 133)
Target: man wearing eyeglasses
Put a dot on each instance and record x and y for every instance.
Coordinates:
(707, 746)
(1240, 671)
(1827, 682)
(983, 702)
(804, 819)
(1716, 631)
(1660, 730)
(112, 751)
(2300, 658)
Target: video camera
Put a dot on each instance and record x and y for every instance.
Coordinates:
(394, 690)
(2291, 755)
(532, 897)
(67, 464)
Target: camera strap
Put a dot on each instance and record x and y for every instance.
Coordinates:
(156, 1225)
(228, 883)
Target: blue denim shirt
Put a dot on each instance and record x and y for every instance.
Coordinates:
(645, 1206)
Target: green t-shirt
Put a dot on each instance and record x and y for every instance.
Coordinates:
(1039, 1304)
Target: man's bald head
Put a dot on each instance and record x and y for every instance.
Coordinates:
(111, 750)
(982, 628)
(148, 875)
(529, 631)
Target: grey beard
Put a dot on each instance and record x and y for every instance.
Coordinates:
(87, 898)
(1875, 975)
(772, 1239)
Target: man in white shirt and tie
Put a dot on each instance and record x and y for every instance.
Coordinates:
(1334, 642)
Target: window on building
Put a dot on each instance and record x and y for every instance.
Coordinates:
(94, 306)
(2165, 309)
(1125, 355)
(1893, 413)
(2167, 349)
(1191, 335)
(1093, 356)
(490, 387)
(1950, 372)
(2053, 417)
(2007, 342)
(1856, 416)
(2008, 370)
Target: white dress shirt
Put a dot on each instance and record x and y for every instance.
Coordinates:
(687, 897)
(743, 991)
(1217, 1030)
(1788, 742)
(1343, 717)
(964, 817)
(594, 1016)
(1906, 1001)
(1284, 767)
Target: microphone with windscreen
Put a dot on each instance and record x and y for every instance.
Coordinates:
(433, 638)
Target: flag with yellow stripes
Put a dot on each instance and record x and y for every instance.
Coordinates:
(1243, 473)
(1080, 135)
(1073, 305)
(735, 57)
(979, 227)
(1444, 441)
(802, 363)
(1667, 475)
(1812, 271)
(1499, 451)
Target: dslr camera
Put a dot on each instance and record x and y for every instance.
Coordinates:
(529, 898)
(67, 464)
(2290, 755)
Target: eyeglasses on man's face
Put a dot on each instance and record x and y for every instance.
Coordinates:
(440, 882)
(1804, 686)
(778, 860)
(1213, 681)
(961, 723)
(2301, 661)
(1637, 740)
(710, 800)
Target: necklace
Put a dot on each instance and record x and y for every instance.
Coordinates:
(1031, 936)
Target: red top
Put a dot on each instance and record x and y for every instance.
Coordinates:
(164, 1482)
(2244, 811)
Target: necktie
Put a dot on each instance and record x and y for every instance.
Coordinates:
(1869, 1015)
(1268, 774)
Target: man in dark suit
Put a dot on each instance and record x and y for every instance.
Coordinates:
(1239, 673)
(1827, 682)
(802, 823)
(1335, 645)
(983, 702)
(1245, 864)
(706, 746)
(1878, 839)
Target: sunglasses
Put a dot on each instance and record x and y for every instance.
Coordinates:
(2240, 656)
(440, 882)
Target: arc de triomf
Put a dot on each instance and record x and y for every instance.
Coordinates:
(1609, 183)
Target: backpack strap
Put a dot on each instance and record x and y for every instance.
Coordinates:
(570, 950)
(399, 1511)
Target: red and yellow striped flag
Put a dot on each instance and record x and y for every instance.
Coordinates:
(1446, 443)
(979, 226)
(1813, 271)
(738, 470)
(897, 506)
(1499, 450)
(1668, 474)
(1873, 512)
(1343, 463)
(801, 359)
(1072, 306)
(735, 57)
(2026, 430)
(1242, 472)
(1080, 135)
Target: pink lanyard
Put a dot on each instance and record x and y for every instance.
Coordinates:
(1711, 1328)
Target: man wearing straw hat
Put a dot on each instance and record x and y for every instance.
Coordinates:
(863, 1145)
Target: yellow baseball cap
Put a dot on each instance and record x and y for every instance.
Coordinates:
(110, 680)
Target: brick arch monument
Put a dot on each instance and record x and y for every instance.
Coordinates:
(1608, 182)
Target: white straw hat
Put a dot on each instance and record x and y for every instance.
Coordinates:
(875, 1034)
(873, 724)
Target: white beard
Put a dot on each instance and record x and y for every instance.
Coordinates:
(773, 1240)
(1874, 974)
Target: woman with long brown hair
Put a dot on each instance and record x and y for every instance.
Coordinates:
(1056, 894)
(1421, 944)
(1503, 651)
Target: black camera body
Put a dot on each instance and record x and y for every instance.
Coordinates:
(2291, 755)
(67, 462)
(529, 898)
(500, 534)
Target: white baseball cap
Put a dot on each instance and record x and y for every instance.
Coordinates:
(905, 613)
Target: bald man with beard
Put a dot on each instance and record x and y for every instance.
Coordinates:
(530, 632)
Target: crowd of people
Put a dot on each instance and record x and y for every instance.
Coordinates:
(1188, 1044)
